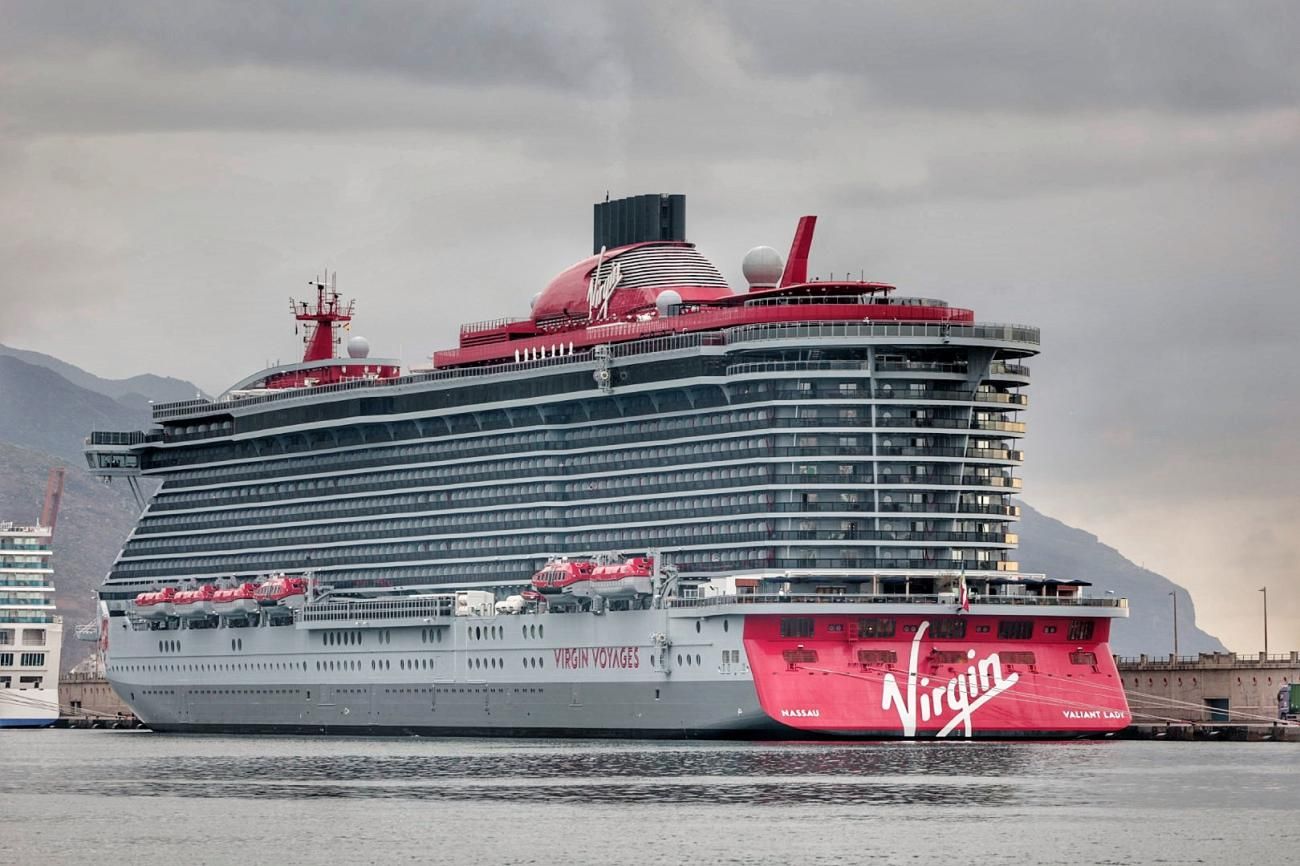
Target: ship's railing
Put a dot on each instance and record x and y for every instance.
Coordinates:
(490, 324)
(949, 598)
(113, 437)
(1207, 660)
(726, 336)
(378, 609)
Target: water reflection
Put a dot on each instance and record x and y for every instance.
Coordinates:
(746, 793)
(571, 772)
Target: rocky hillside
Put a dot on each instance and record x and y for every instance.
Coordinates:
(1049, 546)
(94, 520)
(132, 391)
(46, 412)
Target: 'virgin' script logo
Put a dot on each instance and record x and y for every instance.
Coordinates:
(961, 696)
(599, 291)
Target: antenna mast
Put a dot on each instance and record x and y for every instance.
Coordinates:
(328, 313)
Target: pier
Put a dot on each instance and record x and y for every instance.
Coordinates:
(1212, 696)
(88, 701)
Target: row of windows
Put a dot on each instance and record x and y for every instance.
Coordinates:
(713, 534)
(338, 514)
(30, 636)
(941, 628)
(480, 442)
(399, 480)
(27, 660)
(677, 531)
(625, 431)
(458, 468)
(428, 528)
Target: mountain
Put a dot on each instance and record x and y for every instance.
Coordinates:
(94, 520)
(1053, 548)
(46, 412)
(135, 392)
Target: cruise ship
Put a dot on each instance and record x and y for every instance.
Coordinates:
(30, 630)
(654, 506)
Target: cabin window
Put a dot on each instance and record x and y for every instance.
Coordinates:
(950, 628)
(796, 626)
(799, 656)
(1081, 629)
(877, 657)
(1017, 658)
(1080, 657)
(876, 626)
(947, 657)
(1015, 629)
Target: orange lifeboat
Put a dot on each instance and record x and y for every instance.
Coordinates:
(194, 603)
(627, 579)
(155, 605)
(562, 575)
(238, 601)
(290, 592)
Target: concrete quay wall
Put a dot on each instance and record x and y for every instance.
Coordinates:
(89, 701)
(1211, 687)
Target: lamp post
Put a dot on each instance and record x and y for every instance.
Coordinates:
(1174, 596)
(1264, 589)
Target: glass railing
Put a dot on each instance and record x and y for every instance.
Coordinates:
(893, 598)
(1018, 334)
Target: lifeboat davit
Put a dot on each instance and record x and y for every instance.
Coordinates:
(627, 579)
(238, 601)
(290, 592)
(194, 603)
(155, 605)
(562, 575)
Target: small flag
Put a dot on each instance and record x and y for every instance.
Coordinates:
(963, 594)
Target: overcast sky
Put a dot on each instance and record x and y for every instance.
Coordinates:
(1125, 176)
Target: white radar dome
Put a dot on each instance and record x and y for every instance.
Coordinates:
(358, 347)
(667, 298)
(762, 267)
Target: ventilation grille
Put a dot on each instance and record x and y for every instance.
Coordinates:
(652, 267)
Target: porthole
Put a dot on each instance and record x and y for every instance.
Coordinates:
(725, 625)
(679, 658)
(541, 631)
(697, 626)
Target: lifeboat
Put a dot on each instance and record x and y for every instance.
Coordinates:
(562, 575)
(155, 605)
(627, 579)
(290, 592)
(194, 603)
(238, 601)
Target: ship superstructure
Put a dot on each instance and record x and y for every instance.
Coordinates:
(825, 465)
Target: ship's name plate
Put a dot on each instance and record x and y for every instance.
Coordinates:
(604, 657)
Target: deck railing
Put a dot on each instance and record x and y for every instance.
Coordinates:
(826, 598)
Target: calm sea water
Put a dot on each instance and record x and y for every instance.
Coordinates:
(141, 798)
